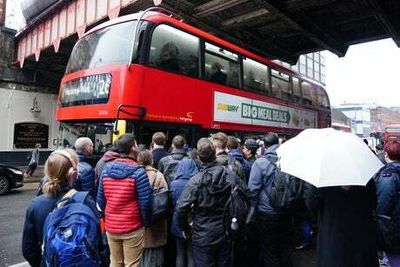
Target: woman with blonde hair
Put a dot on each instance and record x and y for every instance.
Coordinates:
(155, 236)
(61, 170)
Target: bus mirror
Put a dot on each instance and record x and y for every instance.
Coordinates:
(119, 129)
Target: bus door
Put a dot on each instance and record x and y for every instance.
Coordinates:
(145, 130)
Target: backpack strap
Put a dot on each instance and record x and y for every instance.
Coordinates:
(154, 178)
(72, 194)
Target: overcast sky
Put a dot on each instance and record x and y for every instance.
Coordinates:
(368, 73)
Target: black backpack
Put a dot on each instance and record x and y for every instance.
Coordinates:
(285, 191)
(236, 207)
(170, 166)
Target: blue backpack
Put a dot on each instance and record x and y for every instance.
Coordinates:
(71, 233)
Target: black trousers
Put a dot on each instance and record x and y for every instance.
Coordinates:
(212, 256)
(274, 233)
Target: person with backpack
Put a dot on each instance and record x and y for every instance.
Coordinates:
(250, 150)
(155, 236)
(220, 141)
(271, 226)
(388, 193)
(49, 211)
(204, 200)
(125, 197)
(233, 145)
(85, 180)
(168, 164)
(157, 147)
(187, 168)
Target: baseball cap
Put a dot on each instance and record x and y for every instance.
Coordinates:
(251, 144)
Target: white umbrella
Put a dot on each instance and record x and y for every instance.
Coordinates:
(327, 157)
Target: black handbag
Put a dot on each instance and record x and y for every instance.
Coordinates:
(161, 201)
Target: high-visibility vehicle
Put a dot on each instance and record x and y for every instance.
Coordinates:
(151, 72)
(392, 132)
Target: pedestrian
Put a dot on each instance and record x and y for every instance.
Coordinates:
(220, 141)
(346, 234)
(60, 170)
(86, 178)
(272, 227)
(187, 168)
(380, 153)
(125, 197)
(155, 236)
(157, 144)
(168, 164)
(250, 150)
(34, 161)
(203, 200)
(109, 156)
(388, 188)
(233, 145)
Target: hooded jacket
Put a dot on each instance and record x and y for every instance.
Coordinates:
(203, 199)
(238, 155)
(260, 178)
(107, 157)
(125, 196)
(187, 168)
(388, 188)
(85, 180)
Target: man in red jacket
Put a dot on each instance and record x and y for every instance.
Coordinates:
(125, 196)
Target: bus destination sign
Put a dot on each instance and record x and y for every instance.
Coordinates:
(237, 109)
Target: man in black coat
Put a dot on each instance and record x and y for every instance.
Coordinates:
(203, 200)
(158, 150)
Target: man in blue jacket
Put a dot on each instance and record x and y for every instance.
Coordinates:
(86, 179)
(272, 227)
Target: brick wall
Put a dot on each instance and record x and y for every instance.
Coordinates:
(381, 116)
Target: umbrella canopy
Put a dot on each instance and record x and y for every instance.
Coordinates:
(327, 157)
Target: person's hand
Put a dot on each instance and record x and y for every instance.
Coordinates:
(251, 217)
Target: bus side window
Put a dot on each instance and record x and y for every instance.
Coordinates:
(307, 98)
(221, 66)
(281, 85)
(255, 76)
(296, 90)
(174, 50)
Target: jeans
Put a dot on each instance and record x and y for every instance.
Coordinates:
(275, 240)
(212, 256)
(126, 249)
(183, 253)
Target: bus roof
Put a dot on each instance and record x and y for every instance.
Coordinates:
(158, 17)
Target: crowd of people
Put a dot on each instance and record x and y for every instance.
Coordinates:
(120, 194)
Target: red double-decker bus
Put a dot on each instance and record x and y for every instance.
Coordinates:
(161, 74)
(392, 132)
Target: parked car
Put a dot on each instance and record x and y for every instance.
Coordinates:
(10, 177)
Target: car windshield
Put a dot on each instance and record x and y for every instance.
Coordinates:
(111, 45)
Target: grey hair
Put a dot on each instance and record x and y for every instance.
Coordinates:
(82, 142)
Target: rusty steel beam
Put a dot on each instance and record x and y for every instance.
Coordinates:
(244, 18)
(309, 29)
(215, 6)
(386, 20)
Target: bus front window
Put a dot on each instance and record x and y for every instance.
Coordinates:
(99, 133)
(108, 46)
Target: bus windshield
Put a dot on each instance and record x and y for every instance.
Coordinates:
(99, 133)
(393, 130)
(111, 45)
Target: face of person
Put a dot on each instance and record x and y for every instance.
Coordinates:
(246, 152)
(89, 149)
